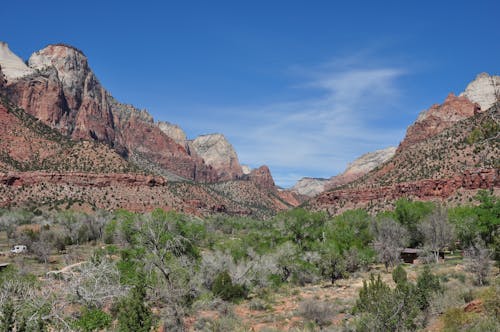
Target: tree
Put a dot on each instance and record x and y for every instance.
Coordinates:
(409, 214)
(437, 232)
(43, 246)
(390, 239)
(304, 227)
(133, 314)
(332, 263)
(478, 261)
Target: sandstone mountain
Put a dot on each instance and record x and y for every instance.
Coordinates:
(60, 89)
(447, 154)
(313, 186)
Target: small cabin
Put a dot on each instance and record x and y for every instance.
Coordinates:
(409, 255)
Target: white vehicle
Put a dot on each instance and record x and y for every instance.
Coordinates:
(19, 249)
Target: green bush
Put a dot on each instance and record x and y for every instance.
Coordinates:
(399, 275)
(93, 320)
(224, 288)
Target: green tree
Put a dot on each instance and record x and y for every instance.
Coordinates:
(133, 313)
(409, 214)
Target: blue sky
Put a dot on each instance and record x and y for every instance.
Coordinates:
(302, 86)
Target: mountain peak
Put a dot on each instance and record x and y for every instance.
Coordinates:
(484, 90)
(13, 67)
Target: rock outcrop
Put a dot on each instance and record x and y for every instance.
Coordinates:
(361, 166)
(484, 90)
(173, 131)
(338, 201)
(310, 186)
(262, 178)
(99, 180)
(13, 66)
(439, 117)
(218, 153)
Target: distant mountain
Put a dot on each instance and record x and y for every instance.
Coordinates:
(313, 186)
(450, 151)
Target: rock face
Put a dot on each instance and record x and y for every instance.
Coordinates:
(262, 177)
(361, 166)
(313, 186)
(218, 153)
(173, 131)
(12, 66)
(439, 117)
(339, 200)
(310, 186)
(62, 91)
(484, 90)
(246, 169)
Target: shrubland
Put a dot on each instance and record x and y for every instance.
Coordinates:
(133, 272)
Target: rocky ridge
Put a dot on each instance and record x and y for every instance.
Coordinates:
(443, 161)
(313, 186)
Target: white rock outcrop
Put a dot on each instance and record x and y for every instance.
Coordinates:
(173, 131)
(217, 152)
(13, 67)
(310, 186)
(369, 161)
(246, 169)
(484, 90)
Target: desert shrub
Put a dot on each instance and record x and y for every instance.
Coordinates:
(259, 304)
(224, 288)
(491, 300)
(455, 319)
(427, 285)
(133, 314)
(468, 296)
(381, 308)
(318, 312)
(93, 320)
(399, 275)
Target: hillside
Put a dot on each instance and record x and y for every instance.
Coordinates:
(450, 165)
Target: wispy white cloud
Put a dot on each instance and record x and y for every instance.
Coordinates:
(317, 136)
